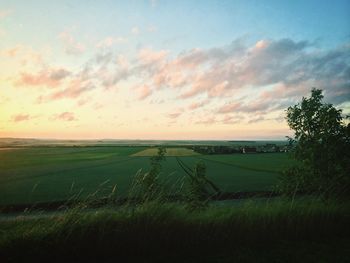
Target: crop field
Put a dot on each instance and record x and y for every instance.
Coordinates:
(169, 152)
(45, 174)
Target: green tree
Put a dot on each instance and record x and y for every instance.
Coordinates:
(151, 179)
(321, 147)
(146, 185)
(197, 193)
(199, 187)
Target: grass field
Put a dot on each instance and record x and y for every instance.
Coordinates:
(302, 229)
(273, 231)
(169, 152)
(44, 174)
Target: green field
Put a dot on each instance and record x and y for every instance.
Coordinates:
(174, 151)
(273, 229)
(44, 174)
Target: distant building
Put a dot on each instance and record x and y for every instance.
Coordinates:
(285, 149)
(249, 149)
(270, 148)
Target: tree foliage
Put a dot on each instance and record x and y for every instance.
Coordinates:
(321, 140)
(200, 188)
(147, 184)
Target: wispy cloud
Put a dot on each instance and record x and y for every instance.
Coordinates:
(220, 72)
(175, 114)
(82, 102)
(197, 104)
(153, 3)
(232, 119)
(135, 30)
(256, 119)
(149, 56)
(110, 41)
(71, 46)
(266, 76)
(74, 90)
(229, 107)
(5, 13)
(152, 28)
(12, 52)
(49, 77)
(24, 55)
(207, 121)
(285, 69)
(144, 92)
(98, 106)
(65, 116)
(21, 117)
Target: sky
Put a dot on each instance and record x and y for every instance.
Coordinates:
(205, 70)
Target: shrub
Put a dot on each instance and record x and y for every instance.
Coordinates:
(321, 147)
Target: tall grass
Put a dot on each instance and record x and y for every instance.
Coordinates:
(159, 231)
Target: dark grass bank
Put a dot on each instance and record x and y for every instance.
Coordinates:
(271, 231)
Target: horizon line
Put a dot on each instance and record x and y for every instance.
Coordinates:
(115, 139)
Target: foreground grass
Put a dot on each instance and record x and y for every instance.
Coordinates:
(271, 231)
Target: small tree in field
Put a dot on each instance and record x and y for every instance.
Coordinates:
(197, 196)
(321, 140)
(147, 185)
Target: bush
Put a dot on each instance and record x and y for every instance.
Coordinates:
(321, 147)
(146, 186)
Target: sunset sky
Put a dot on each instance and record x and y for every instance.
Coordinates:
(167, 69)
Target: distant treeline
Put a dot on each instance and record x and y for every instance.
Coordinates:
(212, 149)
(216, 149)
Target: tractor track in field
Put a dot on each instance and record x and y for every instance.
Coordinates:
(237, 166)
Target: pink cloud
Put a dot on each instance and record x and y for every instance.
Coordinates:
(110, 41)
(261, 44)
(65, 116)
(71, 46)
(232, 119)
(174, 115)
(48, 77)
(196, 105)
(21, 117)
(82, 102)
(98, 106)
(230, 107)
(70, 92)
(193, 70)
(218, 90)
(123, 62)
(74, 90)
(272, 73)
(24, 55)
(207, 121)
(148, 55)
(144, 92)
(266, 101)
(223, 71)
(12, 52)
(5, 13)
(256, 119)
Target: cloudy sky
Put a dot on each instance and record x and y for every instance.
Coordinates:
(167, 69)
